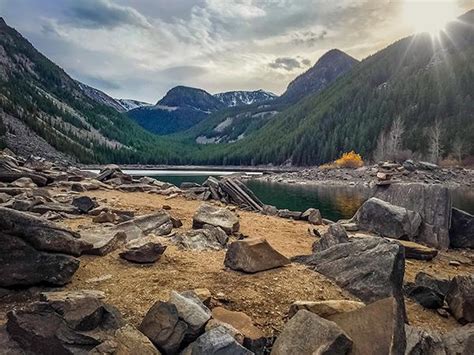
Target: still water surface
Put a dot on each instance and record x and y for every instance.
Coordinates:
(334, 202)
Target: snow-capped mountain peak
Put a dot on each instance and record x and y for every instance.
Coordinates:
(240, 98)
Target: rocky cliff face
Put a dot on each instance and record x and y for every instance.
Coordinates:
(326, 70)
(241, 98)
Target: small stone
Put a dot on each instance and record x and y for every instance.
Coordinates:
(454, 263)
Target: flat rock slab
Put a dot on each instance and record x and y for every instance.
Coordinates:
(417, 251)
(103, 241)
(208, 238)
(307, 334)
(370, 268)
(387, 220)
(377, 328)
(325, 309)
(158, 223)
(459, 341)
(240, 321)
(216, 216)
(253, 255)
(40, 233)
(420, 341)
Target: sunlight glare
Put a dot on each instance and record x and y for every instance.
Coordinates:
(429, 15)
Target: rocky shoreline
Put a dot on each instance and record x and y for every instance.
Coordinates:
(110, 264)
(377, 175)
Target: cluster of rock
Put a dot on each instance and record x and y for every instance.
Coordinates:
(383, 173)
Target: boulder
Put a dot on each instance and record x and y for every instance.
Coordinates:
(216, 341)
(441, 286)
(105, 217)
(370, 268)
(336, 234)
(124, 341)
(270, 210)
(68, 323)
(54, 207)
(459, 341)
(164, 328)
(432, 202)
(307, 334)
(426, 296)
(189, 185)
(23, 182)
(192, 311)
(103, 241)
(214, 323)
(24, 265)
(216, 216)
(461, 233)
(377, 328)
(253, 255)
(84, 203)
(313, 216)
(460, 298)
(208, 238)
(143, 251)
(254, 339)
(295, 215)
(420, 341)
(387, 220)
(158, 223)
(325, 309)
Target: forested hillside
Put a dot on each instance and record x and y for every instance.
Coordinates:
(425, 82)
(38, 97)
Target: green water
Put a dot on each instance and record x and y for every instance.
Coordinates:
(334, 202)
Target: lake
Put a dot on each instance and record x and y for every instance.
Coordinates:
(334, 202)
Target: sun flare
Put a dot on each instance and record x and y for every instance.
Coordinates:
(429, 15)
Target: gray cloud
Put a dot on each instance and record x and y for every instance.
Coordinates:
(286, 63)
(185, 72)
(104, 14)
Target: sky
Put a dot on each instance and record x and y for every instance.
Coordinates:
(139, 49)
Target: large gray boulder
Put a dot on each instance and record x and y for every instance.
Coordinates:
(164, 328)
(377, 328)
(216, 216)
(143, 251)
(387, 220)
(173, 324)
(370, 268)
(461, 233)
(40, 233)
(207, 238)
(23, 265)
(336, 234)
(420, 341)
(64, 323)
(432, 202)
(158, 223)
(253, 255)
(460, 298)
(459, 341)
(216, 341)
(307, 334)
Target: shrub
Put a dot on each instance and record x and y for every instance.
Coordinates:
(347, 160)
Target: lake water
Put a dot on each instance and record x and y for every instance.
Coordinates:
(334, 202)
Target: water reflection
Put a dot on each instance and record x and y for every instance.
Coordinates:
(334, 202)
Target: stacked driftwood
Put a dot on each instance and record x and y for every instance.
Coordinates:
(232, 190)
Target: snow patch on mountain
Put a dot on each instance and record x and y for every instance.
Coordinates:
(241, 98)
(129, 104)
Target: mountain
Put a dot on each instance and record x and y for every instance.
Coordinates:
(228, 126)
(241, 98)
(423, 81)
(181, 108)
(44, 111)
(327, 69)
(129, 104)
(100, 97)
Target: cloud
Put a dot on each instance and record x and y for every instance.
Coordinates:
(104, 14)
(286, 63)
(184, 72)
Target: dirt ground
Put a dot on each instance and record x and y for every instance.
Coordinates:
(265, 296)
